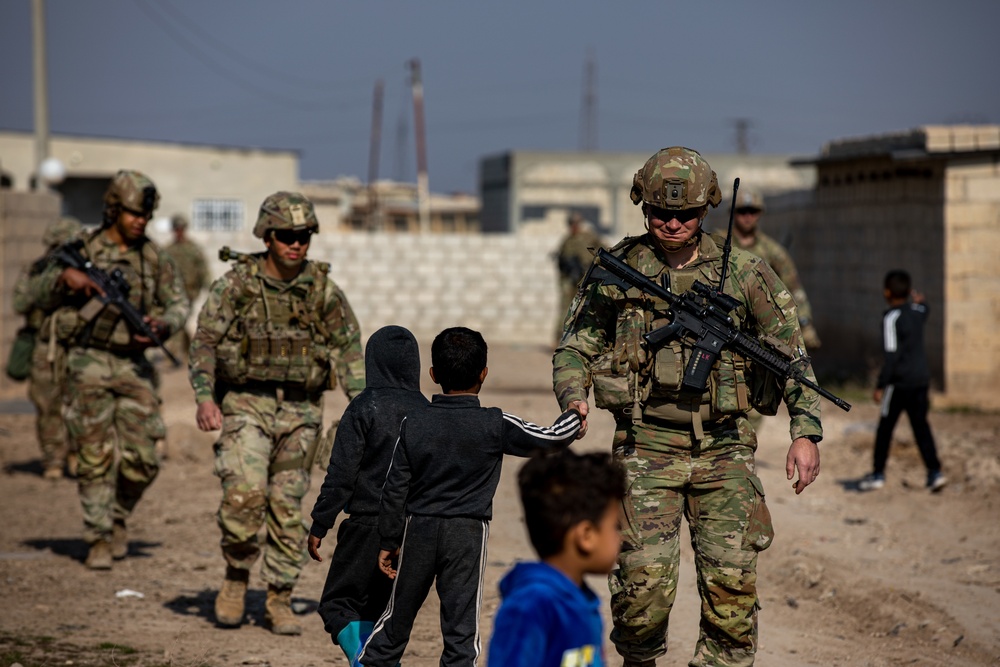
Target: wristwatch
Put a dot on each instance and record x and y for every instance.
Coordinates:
(814, 438)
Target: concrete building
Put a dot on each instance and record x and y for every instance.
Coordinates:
(534, 191)
(219, 188)
(926, 200)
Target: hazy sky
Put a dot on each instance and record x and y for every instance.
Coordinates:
(501, 75)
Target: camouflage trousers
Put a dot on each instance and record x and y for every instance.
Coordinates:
(713, 485)
(114, 419)
(260, 460)
(46, 390)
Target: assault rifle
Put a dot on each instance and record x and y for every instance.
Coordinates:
(115, 289)
(702, 314)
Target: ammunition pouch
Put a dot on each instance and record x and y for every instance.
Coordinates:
(22, 350)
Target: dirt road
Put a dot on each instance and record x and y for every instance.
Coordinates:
(895, 577)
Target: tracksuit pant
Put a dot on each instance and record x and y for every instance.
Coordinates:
(914, 401)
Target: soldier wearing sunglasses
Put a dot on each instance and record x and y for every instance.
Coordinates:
(275, 333)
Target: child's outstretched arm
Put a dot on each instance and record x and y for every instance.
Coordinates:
(521, 437)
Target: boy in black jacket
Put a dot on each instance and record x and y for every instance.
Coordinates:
(444, 473)
(356, 592)
(903, 382)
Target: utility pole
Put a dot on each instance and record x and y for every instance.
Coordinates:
(374, 221)
(588, 110)
(41, 88)
(423, 188)
(742, 126)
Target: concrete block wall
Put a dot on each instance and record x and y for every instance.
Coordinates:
(504, 286)
(972, 284)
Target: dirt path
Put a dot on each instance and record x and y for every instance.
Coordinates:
(896, 577)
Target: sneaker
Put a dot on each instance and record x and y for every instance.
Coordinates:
(871, 482)
(936, 481)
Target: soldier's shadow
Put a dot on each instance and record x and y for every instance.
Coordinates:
(76, 548)
(202, 605)
(29, 467)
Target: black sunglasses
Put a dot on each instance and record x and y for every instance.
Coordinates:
(746, 210)
(682, 215)
(290, 236)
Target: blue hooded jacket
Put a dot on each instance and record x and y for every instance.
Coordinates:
(545, 620)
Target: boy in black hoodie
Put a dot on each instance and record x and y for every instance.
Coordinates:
(438, 500)
(356, 592)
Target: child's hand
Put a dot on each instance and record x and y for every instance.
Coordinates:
(583, 409)
(916, 296)
(387, 562)
(314, 545)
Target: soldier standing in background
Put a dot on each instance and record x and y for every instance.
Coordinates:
(749, 208)
(685, 455)
(572, 260)
(190, 261)
(275, 332)
(47, 383)
(113, 415)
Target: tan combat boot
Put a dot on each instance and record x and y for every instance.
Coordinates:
(231, 600)
(99, 555)
(278, 608)
(119, 540)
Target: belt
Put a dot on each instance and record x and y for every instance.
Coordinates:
(282, 392)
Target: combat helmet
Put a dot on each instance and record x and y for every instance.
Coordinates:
(60, 231)
(676, 178)
(749, 198)
(285, 210)
(131, 190)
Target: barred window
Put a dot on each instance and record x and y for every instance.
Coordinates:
(217, 215)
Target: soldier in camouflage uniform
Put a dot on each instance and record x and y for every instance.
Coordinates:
(113, 414)
(190, 261)
(274, 333)
(684, 454)
(746, 228)
(47, 385)
(572, 260)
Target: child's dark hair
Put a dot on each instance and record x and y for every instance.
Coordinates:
(562, 489)
(458, 356)
(897, 282)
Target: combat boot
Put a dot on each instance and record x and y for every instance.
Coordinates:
(119, 540)
(231, 600)
(99, 555)
(278, 608)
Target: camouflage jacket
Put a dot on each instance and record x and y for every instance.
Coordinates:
(190, 261)
(239, 302)
(155, 289)
(603, 316)
(574, 255)
(778, 259)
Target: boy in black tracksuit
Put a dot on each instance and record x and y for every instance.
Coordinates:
(444, 473)
(356, 591)
(903, 382)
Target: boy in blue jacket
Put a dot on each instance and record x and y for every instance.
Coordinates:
(549, 616)
(356, 591)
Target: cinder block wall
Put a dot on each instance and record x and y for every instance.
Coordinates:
(972, 284)
(23, 219)
(502, 285)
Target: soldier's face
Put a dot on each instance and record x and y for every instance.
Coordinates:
(671, 228)
(288, 247)
(132, 224)
(746, 219)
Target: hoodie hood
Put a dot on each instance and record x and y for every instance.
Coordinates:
(392, 359)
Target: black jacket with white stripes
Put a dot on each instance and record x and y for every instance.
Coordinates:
(905, 363)
(448, 457)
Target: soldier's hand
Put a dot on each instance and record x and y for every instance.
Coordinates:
(387, 561)
(209, 416)
(583, 408)
(877, 395)
(77, 281)
(803, 456)
(314, 544)
(159, 327)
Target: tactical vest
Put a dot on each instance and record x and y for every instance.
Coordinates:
(629, 377)
(277, 336)
(96, 324)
